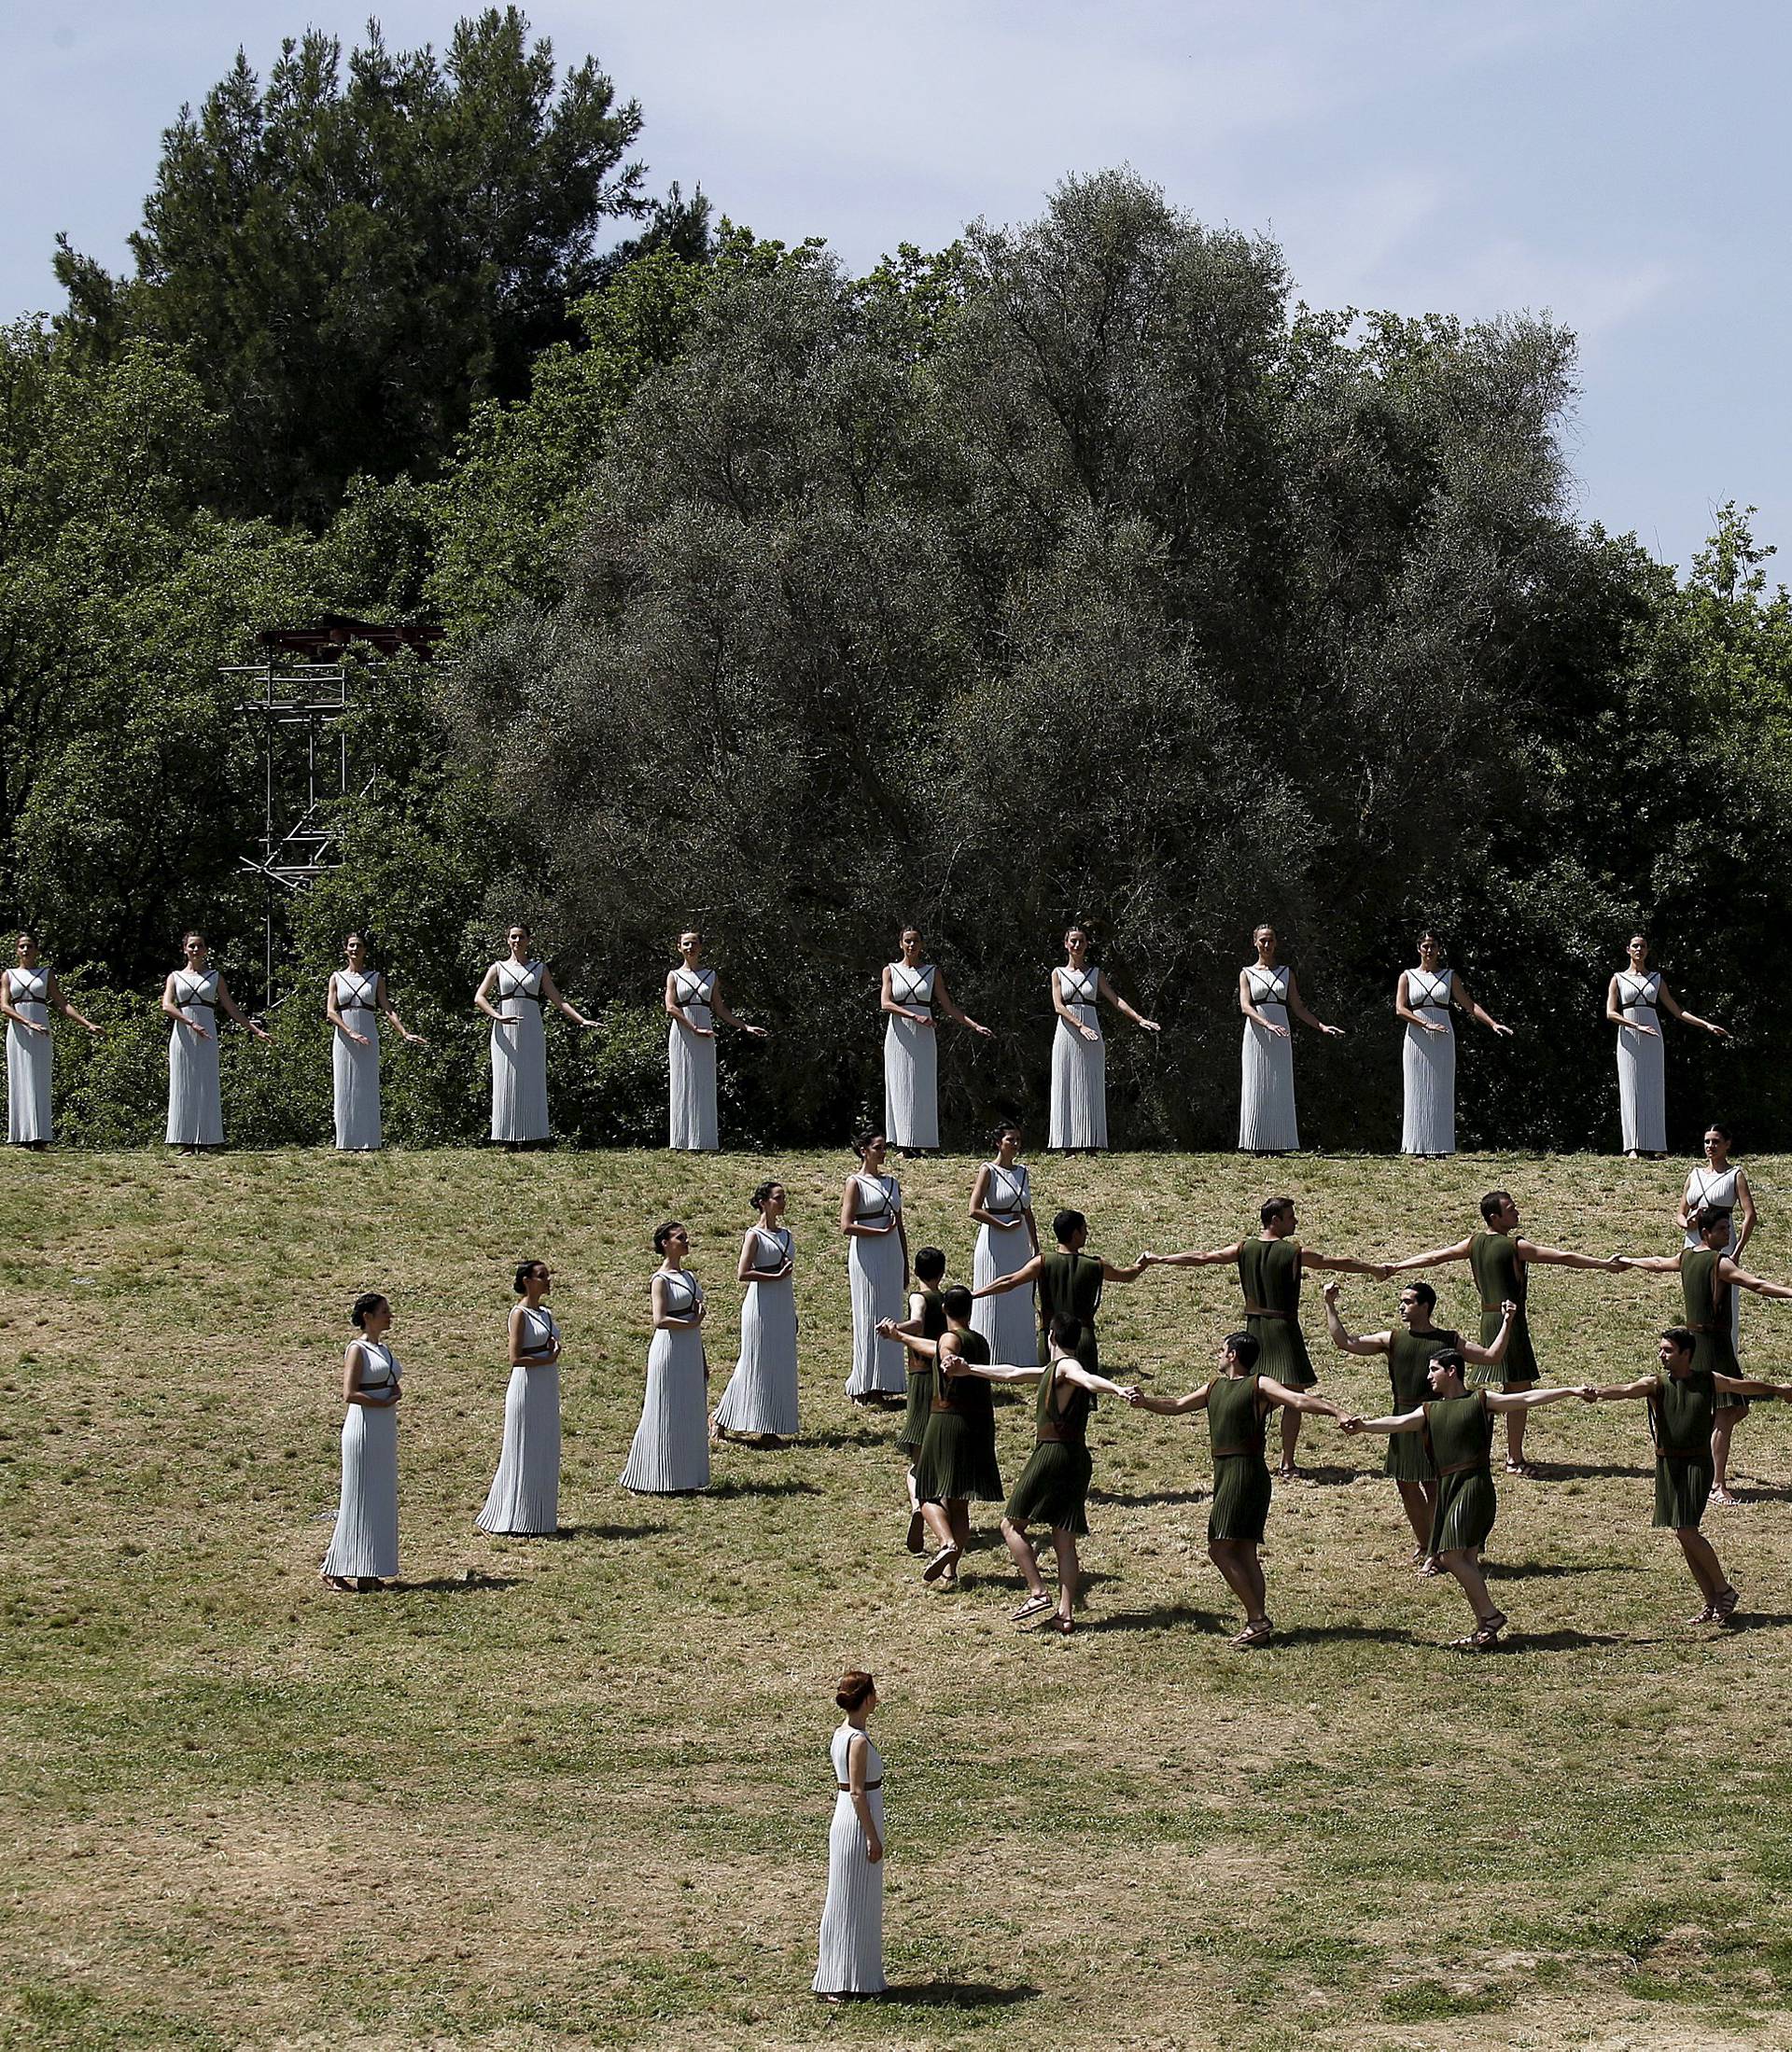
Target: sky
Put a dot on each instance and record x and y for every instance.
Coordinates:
(1610, 163)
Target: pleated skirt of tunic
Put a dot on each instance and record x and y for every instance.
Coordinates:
(875, 1274)
(1054, 1488)
(366, 1541)
(1642, 1091)
(1682, 1490)
(29, 1057)
(195, 1107)
(1466, 1508)
(851, 1960)
(691, 1062)
(1266, 1123)
(1010, 1323)
(671, 1448)
(957, 1460)
(355, 1072)
(520, 1076)
(525, 1496)
(911, 1083)
(1428, 1068)
(1079, 1085)
(761, 1396)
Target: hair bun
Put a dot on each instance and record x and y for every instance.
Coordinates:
(855, 1685)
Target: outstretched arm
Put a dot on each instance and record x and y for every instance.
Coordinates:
(1728, 1272)
(1751, 1386)
(1028, 1272)
(1073, 1371)
(1171, 1406)
(1490, 1356)
(1528, 1400)
(1131, 1274)
(1347, 1264)
(1564, 1257)
(1408, 1421)
(1652, 1265)
(1611, 1393)
(1212, 1258)
(928, 1348)
(1457, 1250)
(1298, 1399)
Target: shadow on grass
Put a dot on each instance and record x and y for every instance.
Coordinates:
(1554, 1570)
(1581, 1471)
(1324, 1477)
(1561, 1641)
(1385, 1635)
(788, 1487)
(1142, 1502)
(959, 1994)
(1160, 1617)
(471, 1584)
(835, 1440)
(614, 1535)
(1757, 1492)
(1748, 1620)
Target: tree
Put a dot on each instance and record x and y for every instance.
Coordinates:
(353, 263)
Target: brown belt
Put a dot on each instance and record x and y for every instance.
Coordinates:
(1049, 1435)
(1225, 1453)
(1683, 1453)
(846, 1787)
(1464, 1467)
(1263, 1311)
(1707, 1328)
(941, 1404)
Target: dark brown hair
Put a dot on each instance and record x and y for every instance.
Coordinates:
(855, 1685)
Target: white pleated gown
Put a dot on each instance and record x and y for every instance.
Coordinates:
(1705, 1189)
(28, 1057)
(195, 1107)
(1428, 1068)
(671, 1447)
(1642, 1088)
(911, 1062)
(525, 1496)
(1266, 1123)
(852, 1918)
(356, 1071)
(366, 1541)
(761, 1396)
(1009, 1323)
(691, 1063)
(1079, 1066)
(875, 1278)
(519, 1055)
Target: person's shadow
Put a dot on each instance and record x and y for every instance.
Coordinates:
(1160, 1617)
(959, 1994)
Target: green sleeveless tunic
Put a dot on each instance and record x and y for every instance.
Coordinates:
(1270, 1276)
(1241, 1505)
(921, 1377)
(1708, 1318)
(958, 1456)
(1681, 1411)
(1069, 1287)
(1461, 1431)
(1500, 1274)
(1409, 1360)
(1054, 1486)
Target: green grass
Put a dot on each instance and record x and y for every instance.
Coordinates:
(578, 1788)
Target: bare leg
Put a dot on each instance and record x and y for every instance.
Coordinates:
(1024, 1559)
(1462, 1562)
(1515, 1423)
(1707, 1569)
(960, 1509)
(1419, 1499)
(1723, 1425)
(1227, 1556)
(1069, 1575)
(939, 1524)
(1290, 1438)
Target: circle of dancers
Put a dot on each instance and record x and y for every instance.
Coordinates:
(517, 994)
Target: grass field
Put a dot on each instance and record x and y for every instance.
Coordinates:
(578, 1788)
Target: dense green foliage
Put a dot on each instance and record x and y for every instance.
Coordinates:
(1070, 571)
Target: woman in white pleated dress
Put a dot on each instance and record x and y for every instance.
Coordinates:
(1424, 997)
(511, 995)
(870, 1217)
(29, 993)
(1268, 993)
(670, 1455)
(364, 1548)
(693, 998)
(760, 1402)
(1635, 999)
(914, 997)
(525, 1496)
(851, 1960)
(1722, 1186)
(353, 998)
(192, 999)
(1079, 1121)
(1001, 1202)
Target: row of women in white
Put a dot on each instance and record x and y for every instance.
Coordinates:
(515, 991)
(670, 1451)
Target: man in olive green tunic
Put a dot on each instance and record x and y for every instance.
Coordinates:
(1499, 1258)
(1270, 1267)
(1682, 1398)
(1070, 1286)
(1409, 1353)
(1707, 1276)
(1458, 1426)
(1237, 1402)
